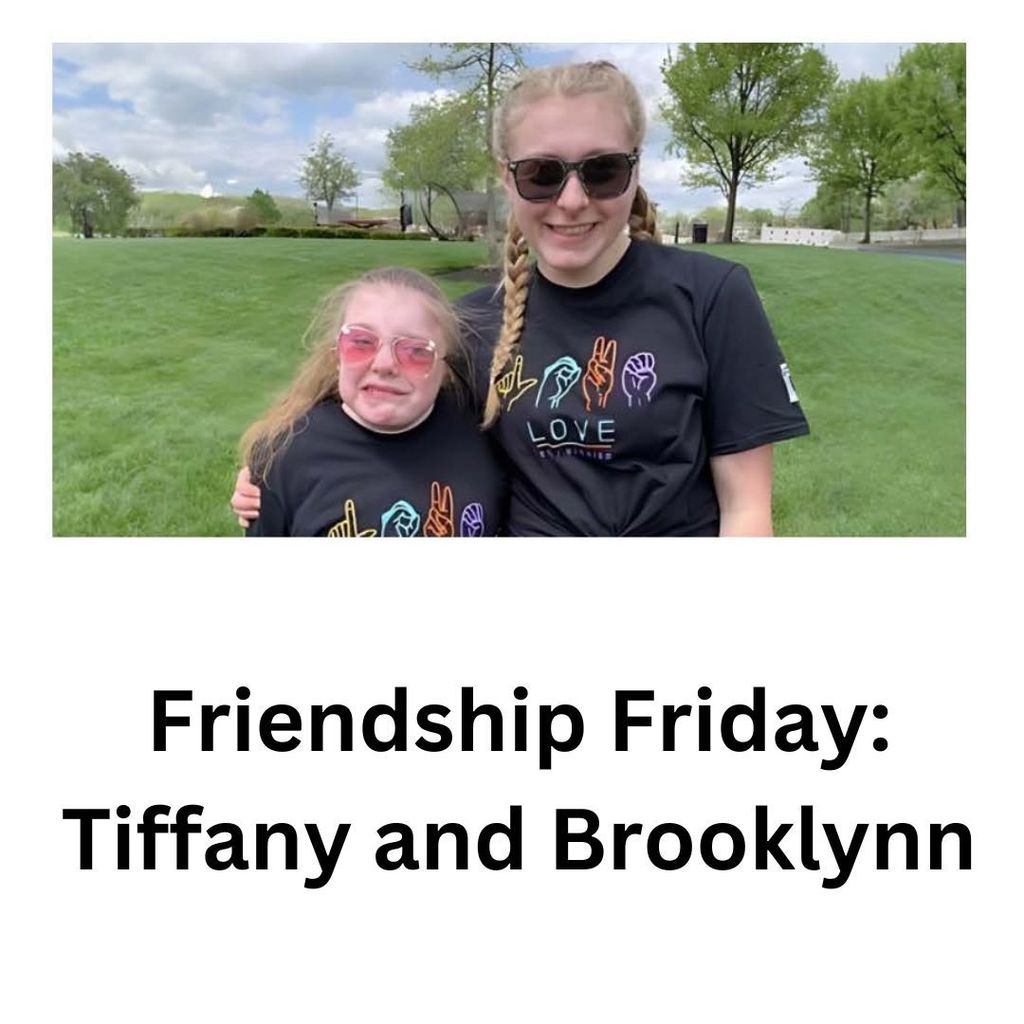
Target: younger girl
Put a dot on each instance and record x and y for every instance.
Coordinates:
(372, 438)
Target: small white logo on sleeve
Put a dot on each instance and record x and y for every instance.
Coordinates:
(788, 380)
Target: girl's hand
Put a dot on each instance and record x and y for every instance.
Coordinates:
(245, 502)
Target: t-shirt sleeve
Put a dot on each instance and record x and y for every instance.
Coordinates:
(751, 398)
(272, 520)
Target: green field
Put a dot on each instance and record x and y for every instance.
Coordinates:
(165, 349)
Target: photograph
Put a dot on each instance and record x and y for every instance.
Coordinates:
(479, 289)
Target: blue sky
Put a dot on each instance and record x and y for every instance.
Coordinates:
(229, 118)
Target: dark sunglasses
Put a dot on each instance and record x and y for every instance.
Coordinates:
(541, 178)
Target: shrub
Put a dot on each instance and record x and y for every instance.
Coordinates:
(195, 229)
(398, 236)
(317, 233)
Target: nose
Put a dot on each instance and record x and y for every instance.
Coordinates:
(384, 359)
(573, 196)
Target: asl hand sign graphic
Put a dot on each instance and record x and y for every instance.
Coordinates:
(639, 378)
(439, 518)
(401, 520)
(349, 526)
(600, 376)
(564, 372)
(472, 522)
(511, 386)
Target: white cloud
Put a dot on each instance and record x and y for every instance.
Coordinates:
(189, 113)
(191, 83)
(177, 159)
(166, 174)
(242, 116)
(856, 59)
(362, 133)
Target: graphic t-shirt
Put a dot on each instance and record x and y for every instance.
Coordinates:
(335, 477)
(621, 391)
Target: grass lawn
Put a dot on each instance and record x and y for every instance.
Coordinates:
(876, 344)
(165, 349)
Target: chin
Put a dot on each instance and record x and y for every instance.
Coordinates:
(582, 259)
(389, 420)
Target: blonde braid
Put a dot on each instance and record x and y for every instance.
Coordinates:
(516, 283)
(642, 221)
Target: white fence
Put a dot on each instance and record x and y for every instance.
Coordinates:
(821, 236)
(798, 236)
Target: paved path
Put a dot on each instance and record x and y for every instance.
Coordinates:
(957, 251)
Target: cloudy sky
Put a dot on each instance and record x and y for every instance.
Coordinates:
(229, 118)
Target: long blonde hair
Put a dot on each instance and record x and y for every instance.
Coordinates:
(559, 80)
(317, 378)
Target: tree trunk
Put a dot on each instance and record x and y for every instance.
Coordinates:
(86, 225)
(426, 210)
(866, 240)
(492, 209)
(730, 213)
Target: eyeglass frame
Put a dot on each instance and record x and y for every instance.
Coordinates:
(567, 167)
(345, 328)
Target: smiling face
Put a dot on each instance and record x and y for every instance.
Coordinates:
(380, 393)
(577, 239)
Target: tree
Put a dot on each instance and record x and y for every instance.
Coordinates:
(921, 202)
(326, 174)
(785, 209)
(95, 194)
(262, 208)
(862, 146)
(439, 147)
(735, 109)
(932, 90)
(829, 208)
(489, 66)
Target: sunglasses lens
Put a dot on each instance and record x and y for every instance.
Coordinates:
(357, 344)
(415, 355)
(539, 179)
(606, 176)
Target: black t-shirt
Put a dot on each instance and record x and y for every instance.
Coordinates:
(626, 388)
(335, 477)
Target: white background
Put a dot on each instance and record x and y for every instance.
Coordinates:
(929, 628)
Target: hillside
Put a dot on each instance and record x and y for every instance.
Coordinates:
(168, 209)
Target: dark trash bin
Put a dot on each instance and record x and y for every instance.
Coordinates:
(700, 233)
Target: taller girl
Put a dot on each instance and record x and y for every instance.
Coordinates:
(636, 388)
